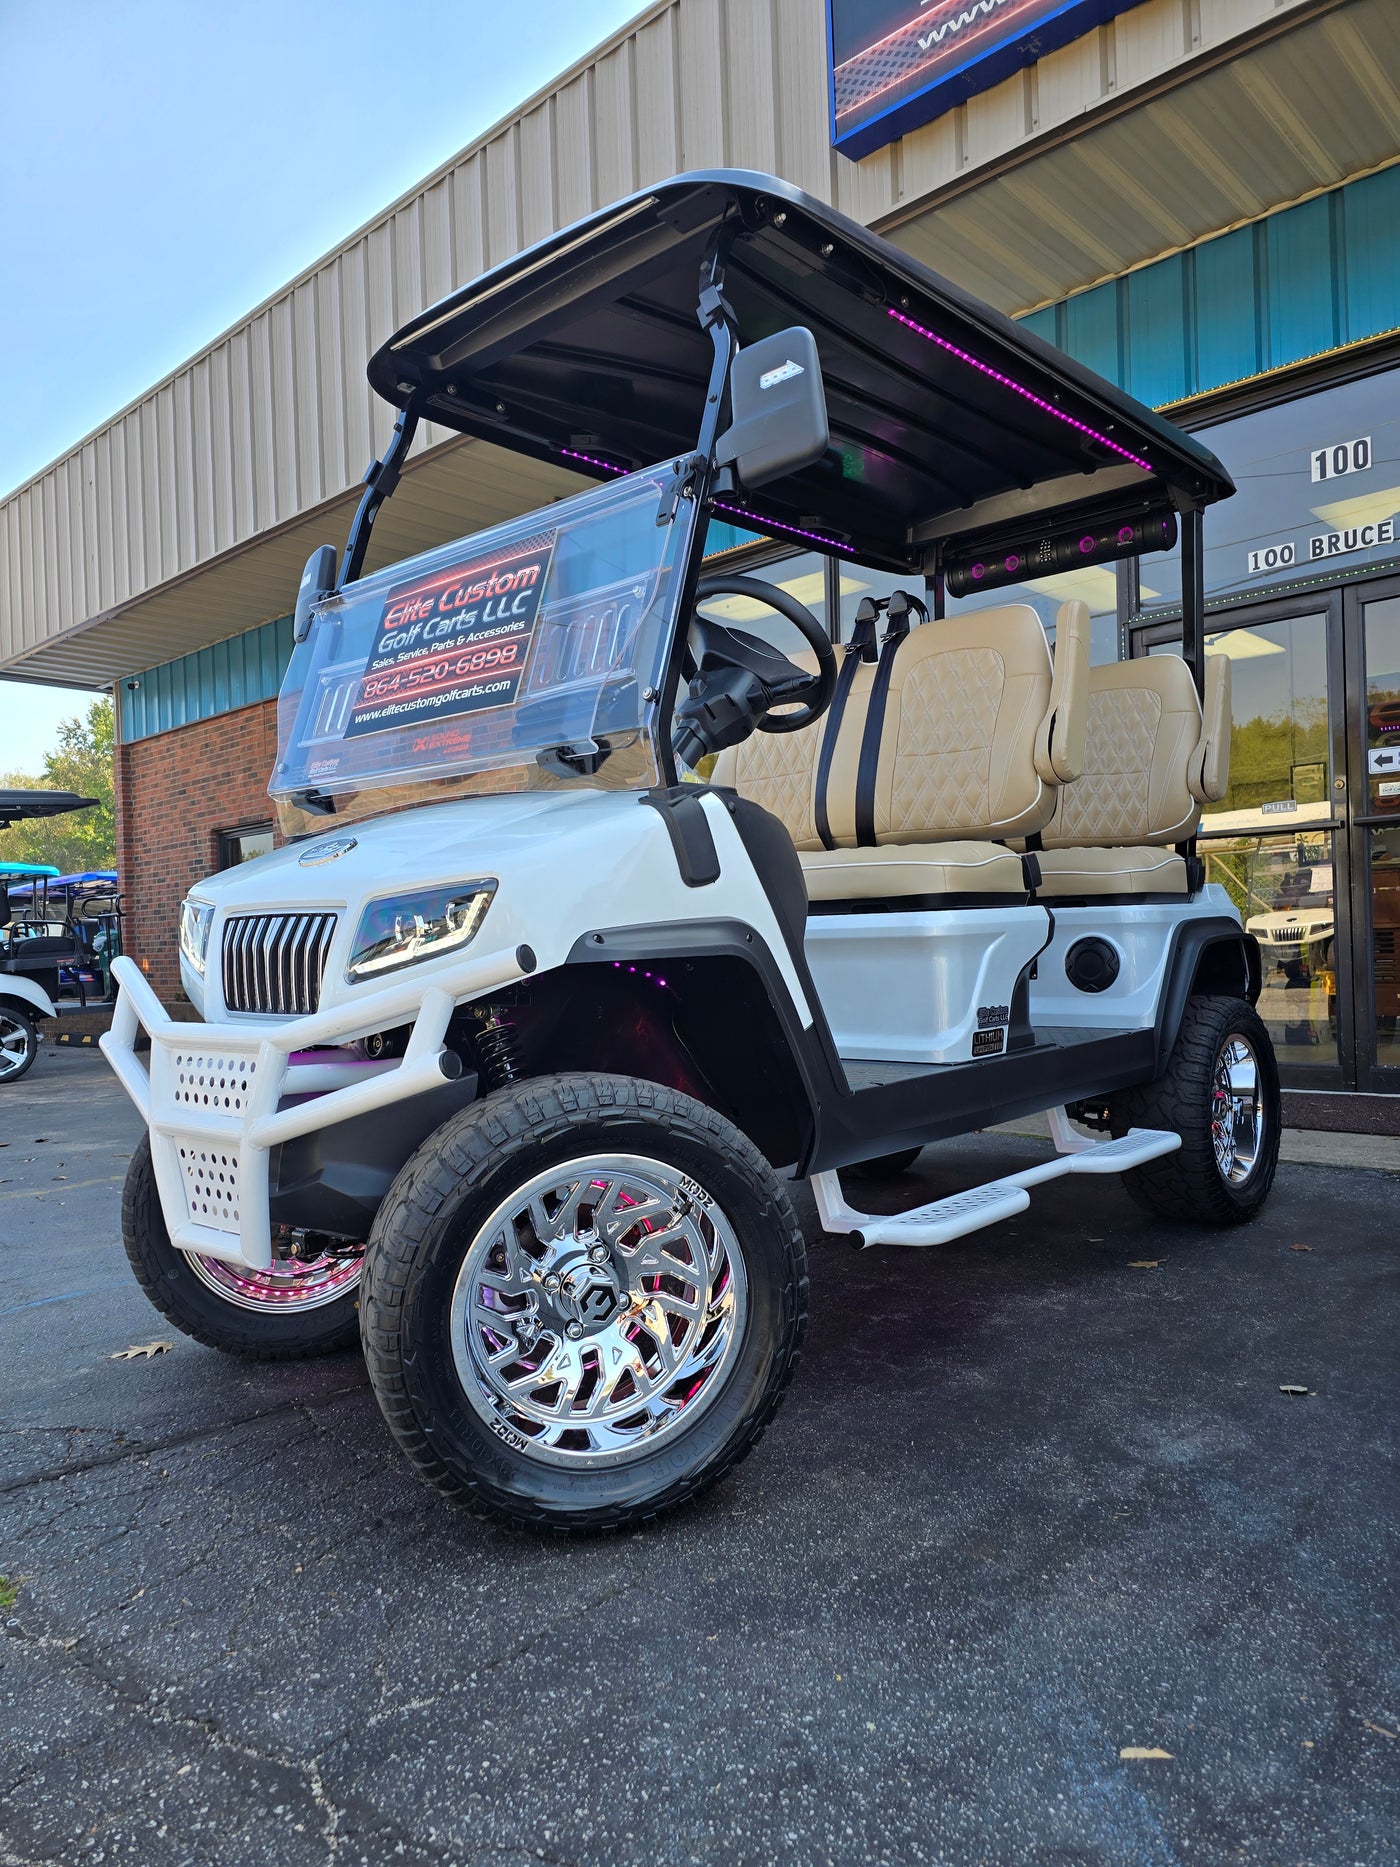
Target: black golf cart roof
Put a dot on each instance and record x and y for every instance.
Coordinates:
(948, 421)
(23, 806)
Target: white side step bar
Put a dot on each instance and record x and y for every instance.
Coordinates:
(945, 1219)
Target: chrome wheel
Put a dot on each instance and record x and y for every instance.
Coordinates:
(1237, 1111)
(598, 1310)
(289, 1285)
(17, 1043)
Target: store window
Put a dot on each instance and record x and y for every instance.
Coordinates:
(803, 575)
(1096, 586)
(1318, 492)
(235, 846)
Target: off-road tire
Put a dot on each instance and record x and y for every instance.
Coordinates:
(166, 1276)
(24, 1018)
(1188, 1184)
(426, 1227)
(885, 1166)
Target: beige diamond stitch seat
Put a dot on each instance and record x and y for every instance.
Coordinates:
(978, 733)
(1152, 757)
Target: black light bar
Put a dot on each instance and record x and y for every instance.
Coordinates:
(988, 564)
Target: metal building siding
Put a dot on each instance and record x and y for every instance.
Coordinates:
(1306, 280)
(275, 418)
(219, 679)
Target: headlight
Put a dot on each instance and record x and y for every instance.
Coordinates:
(402, 929)
(196, 919)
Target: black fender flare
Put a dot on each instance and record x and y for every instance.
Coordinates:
(1217, 947)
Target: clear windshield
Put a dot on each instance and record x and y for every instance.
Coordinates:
(494, 663)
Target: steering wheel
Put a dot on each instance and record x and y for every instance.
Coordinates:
(812, 691)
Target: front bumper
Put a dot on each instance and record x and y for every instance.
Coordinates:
(217, 1098)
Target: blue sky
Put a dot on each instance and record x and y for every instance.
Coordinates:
(167, 164)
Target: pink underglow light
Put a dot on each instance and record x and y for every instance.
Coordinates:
(570, 454)
(1008, 382)
(777, 525)
(737, 512)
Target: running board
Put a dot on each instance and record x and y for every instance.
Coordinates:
(945, 1219)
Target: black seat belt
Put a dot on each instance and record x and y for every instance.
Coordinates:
(900, 605)
(861, 647)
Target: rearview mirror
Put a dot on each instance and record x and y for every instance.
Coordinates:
(778, 408)
(317, 580)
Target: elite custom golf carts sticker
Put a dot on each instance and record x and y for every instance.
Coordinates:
(453, 642)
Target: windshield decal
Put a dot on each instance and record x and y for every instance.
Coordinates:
(454, 642)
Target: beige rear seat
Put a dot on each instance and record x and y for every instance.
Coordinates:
(978, 734)
(1152, 758)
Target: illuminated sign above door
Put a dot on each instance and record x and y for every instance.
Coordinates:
(898, 63)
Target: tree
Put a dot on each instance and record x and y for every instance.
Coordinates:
(82, 761)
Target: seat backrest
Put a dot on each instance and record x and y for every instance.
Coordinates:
(975, 733)
(1152, 755)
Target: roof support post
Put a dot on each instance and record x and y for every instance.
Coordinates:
(381, 477)
(1193, 595)
(717, 317)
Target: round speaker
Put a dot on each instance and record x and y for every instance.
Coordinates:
(1091, 965)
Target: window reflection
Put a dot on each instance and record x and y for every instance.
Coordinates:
(1383, 708)
(1385, 943)
(1285, 890)
(802, 576)
(1096, 585)
(1266, 533)
(1280, 757)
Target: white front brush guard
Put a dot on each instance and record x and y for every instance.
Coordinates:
(212, 1094)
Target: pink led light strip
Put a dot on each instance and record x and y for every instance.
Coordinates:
(1009, 383)
(735, 511)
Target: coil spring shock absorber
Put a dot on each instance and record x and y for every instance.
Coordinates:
(496, 1054)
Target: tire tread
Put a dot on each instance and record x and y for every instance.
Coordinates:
(535, 1111)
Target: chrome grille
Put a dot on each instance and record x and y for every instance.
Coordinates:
(274, 962)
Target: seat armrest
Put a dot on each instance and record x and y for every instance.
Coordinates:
(1208, 771)
(1059, 742)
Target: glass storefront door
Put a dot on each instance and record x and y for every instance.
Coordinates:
(1373, 646)
(1307, 839)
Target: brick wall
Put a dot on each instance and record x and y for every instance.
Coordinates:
(175, 793)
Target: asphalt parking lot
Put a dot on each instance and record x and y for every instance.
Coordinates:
(1033, 1498)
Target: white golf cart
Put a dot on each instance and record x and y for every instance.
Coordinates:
(600, 921)
(34, 951)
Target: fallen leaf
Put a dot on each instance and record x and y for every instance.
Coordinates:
(1145, 1264)
(1144, 1753)
(1289, 1388)
(141, 1348)
(1379, 1729)
(1300, 1247)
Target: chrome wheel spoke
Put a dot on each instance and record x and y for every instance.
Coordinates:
(1237, 1111)
(615, 1314)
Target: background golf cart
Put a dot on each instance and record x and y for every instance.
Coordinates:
(58, 935)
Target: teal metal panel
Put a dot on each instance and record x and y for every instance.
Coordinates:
(1159, 354)
(199, 686)
(1225, 298)
(1302, 312)
(722, 536)
(1046, 323)
(1304, 280)
(1092, 330)
(1370, 219)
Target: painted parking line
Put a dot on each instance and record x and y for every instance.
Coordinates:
(65, 1296)
(69, 1186)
